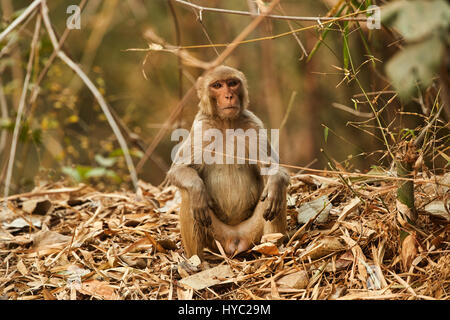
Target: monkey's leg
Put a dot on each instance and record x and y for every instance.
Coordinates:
(278, 224)
(241, 237)
(238, 238)
(193, 236)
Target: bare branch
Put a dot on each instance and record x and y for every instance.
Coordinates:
(220, 59)
(19, 19)
(352, 111)
(3, 115)
(272, 16)
(12, 153)
(94, 91)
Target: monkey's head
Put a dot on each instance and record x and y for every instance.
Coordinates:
(223, 92)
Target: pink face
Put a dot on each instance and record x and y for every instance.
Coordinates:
(226, 94)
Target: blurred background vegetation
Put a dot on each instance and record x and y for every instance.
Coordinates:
(65, 135)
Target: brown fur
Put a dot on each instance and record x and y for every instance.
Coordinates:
(223, 201)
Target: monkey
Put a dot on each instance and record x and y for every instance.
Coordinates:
(233, 203)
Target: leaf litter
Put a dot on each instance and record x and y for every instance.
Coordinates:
(59, 243)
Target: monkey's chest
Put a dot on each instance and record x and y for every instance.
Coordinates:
(235, 189)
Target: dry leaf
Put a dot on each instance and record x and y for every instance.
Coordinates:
(297, 280)
(267, 248)
(271, 237)
(437, 208)
(184, 294)
(349, 208)
(409, 250)
(323, 247)
(98, 289)
(208, 277)
(43, 240)
(36, 206)
(21, 267)
(20, 223)
(48, 295)
(320, 206)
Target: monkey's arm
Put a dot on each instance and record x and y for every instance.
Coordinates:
(277, 180)
(186, 177)
(275, 193)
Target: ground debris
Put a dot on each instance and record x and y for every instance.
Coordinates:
(60, 243)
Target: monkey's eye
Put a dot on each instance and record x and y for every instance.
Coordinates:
(232, 83)
(216, 85)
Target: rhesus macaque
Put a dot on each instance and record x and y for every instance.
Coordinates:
(232, 203)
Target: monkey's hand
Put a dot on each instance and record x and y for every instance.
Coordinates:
(273, 196)
(201, 204)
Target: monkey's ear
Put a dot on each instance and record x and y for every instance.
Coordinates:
(199, 86)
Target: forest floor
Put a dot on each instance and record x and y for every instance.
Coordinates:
(60, 242)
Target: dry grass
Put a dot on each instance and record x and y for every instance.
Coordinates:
(79, 243)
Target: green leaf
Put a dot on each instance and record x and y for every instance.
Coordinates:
(325, 134)
(95, 172)
(415, 20)
(105, 162)
(415, 63)
(345, 47)
(73, 173)
(323, 35)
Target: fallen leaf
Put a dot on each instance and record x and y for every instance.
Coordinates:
(296, 280)
(267, 248)
(349, 208)
(309, 210)
(156, 245)
(437, 208)
(48, 295)
(167, 244)
(272, 237)
(36, 206)
(208, 277)
(409, 250)
(98, 289)
(184, 294)
(48, 239)
(323, 247)
(22, 268)
(20, 223)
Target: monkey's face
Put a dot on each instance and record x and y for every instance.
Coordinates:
(226, 97)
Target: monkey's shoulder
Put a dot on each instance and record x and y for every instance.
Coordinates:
(251, 120)
(247, 119)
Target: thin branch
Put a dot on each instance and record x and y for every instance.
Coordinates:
(220, 59)
(14, 39)
(101, 101)
(422, 133)
(272, 16)
(295, 36)
(178, 43)
(352, 111)
(204, 30)
(19, 19)
(4, 115)
(36, 88)
(239, 39)
(242, 41)
(12, 153)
